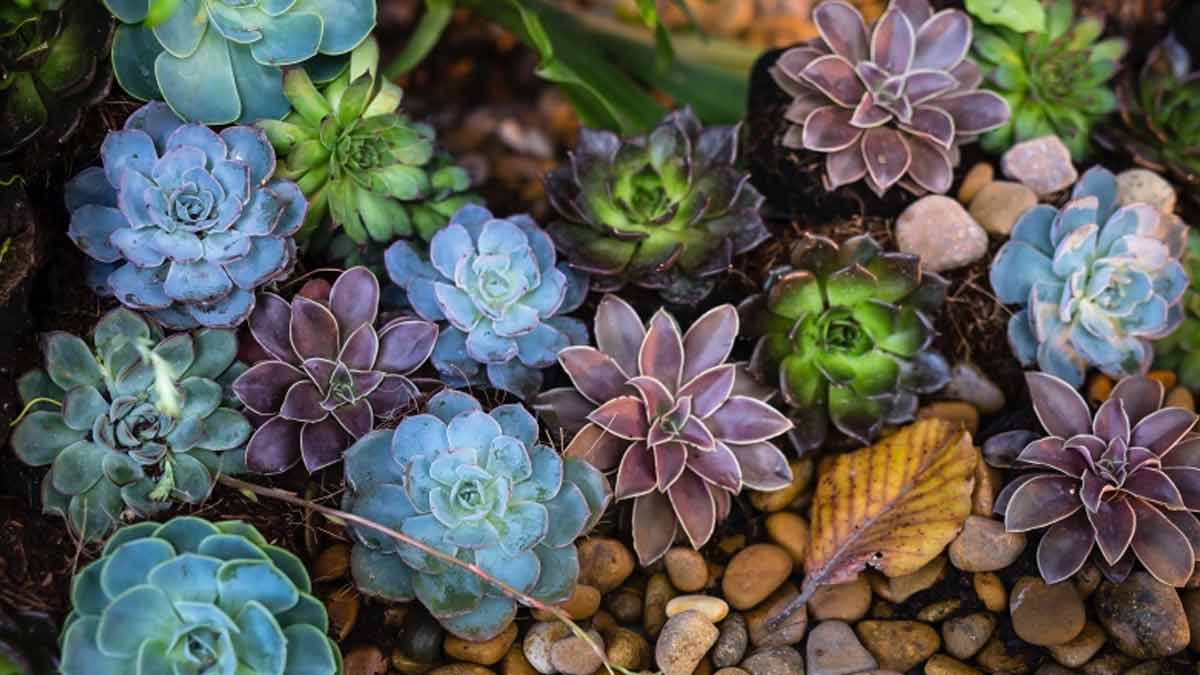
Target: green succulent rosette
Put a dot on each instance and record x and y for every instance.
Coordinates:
(1179, 352)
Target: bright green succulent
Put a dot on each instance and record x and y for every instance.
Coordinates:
(133, 421)
(196, 598)
(1056, 81)
(377, 175)
(1179, 352)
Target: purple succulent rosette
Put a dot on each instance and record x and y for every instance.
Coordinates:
(1124, 483)
(498, 292)
(889, 105)
(183, 223)
(332, 375)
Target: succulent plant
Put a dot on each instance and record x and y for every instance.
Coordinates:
(477, 486)
(329, 374)
(683, 429)
(1056, 81)
(190, 596)
(891, 105)
(52, 68)
(27, 643)
(847, 332)
(221, 61)
(1123, 482)
(1096, 284)
(1179, 352)
(495, 286)
(183, 223)
(132, 421)
(666, 211)
(358, 160)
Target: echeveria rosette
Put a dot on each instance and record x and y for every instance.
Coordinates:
(847, 333)
(183, 223)
(477, 486)
(141, 420)
(684, 430)
(1124, 482)
(494, 286)
(890, 105)
(1056, 81)
(221, 61)
(1179, 352)
(667, 210)
(1096, 284)
(191, 596)
(331, 376)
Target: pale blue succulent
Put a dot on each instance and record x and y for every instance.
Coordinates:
(184, 223)
(221, 61)
(480, 487)
(1097, 284)
(190, 596)
(496, 283)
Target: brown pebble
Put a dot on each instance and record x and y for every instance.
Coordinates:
(625, 604)
(713, 609)
(938, 611)
(1087, 580)
(965, 636)
(1107, 664)
(790, 532)
(484, 653)
(995, 658)
(683, 643)
(407, 665)
(604, 563)
(940, 664)
(731, 671)
(754, 573)
(687, 569)
(515, 663)
(342, 606)
(582, 604)
(627, 649)
(766, 622)
(999, 205)
(1166, 377)
(984, 545)
(980, 175)
(991, 591)
(901, 588)
(1143, 616)
(654, 610)
(462, 669)
(778, 500)
(845, 602)
(988, 481)
(955, 412)
(1046, 614)
(332, 564)
(898, 645)
(1099, 388)
(363, 660)
(1082, 648)
(1181, 397)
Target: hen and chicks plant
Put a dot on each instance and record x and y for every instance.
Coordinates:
(132, 421)
(667, 210)
(184, 223)
(890, 105)
(684, 430)
(1096, 284)
(478, 487)
(190, 596)
(498, 293)
(846, 332)
(1124, 483)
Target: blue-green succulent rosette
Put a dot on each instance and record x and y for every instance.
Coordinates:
(183, 223)
(221, 61)
(500, 293)
(477, 486)
(1096, 284)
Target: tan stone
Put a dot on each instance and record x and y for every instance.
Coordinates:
(754, 573)
(768, 624)
(778, 500)
(515, 663)
(991, 591)
(985, 546)
(654, 610)
(955, 412)
(940, 664)
(980, 175)
(683, 643)
(364, 660)
(462, 669)
(627, 649)
(713, 609)
(332, 564)
(1166, 377)
(995, 658)
(625, 604)
(686, 568)
(1181, 397)
(898, 645)
(604, 563)
(999, 204)
(966, 635)
(404, 664)
(846, 602)
(1082, 648)
(898, 589)
(485, 653)
(1099, 388)
(790, 532)
(938, 611)
(1046, 614)
(988, 481)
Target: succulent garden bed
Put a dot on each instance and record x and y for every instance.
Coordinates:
(599, 336)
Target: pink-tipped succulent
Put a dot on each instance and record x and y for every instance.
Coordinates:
(327, 374)
(1124, 482)
(890, 105)
(683, 429)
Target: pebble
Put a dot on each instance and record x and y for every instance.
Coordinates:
(713, 609)
(364, 660)
(1181, 397)
(754, 573)
(941, 232)
(654, 608)
(1143, 616)
(1167, 378)
(834, 649)
(515, 663)
(404, 664)
(955, 412)
(1046, 614)
(790, 532)
(1053, 669)
(683, 643)
(778, 500)
(604, 622)
(1191, 609)
(966, 635)
(1087, 580)
(766, 624)
(343, 606)
(1147, 187)
(995, 658)
(332, 564)
(485, 653)
(1099, 388)
(1043, 164)
(739, 671)
(732, 641)
(988, 481)
(539, 641)
(898, 645)
(775, 661)
(991, 591)
(980, 175)
(938, 611)
(461, 669)
(625, 604)
(604, 563)
(985, 546)
(1108, 664)
(846, 602)
(574, 655)
(970, 384)
(940, 664)
(999, 205)
(582, 605)
(901, 588)
(628, 649)
(686, 569)
(1081, 649)
(421, 638)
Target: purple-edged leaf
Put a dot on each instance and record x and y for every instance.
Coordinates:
(274, 447)
(942, 42)
(786, 71)
(361, 348)
(661, 356)
(1090, 446)
(1141, 457)
(931, 124)
(1161, 547)
(968, 74)
(764, 466)
(404, 345)
(1092, 490)
(1159, 431)
(893, 42)
(800, 108)
(393, 396)
(1187, 481)
(669, 461)
(844, 167)
(836, 78)
(1049, 452)
(263, 387)
(624, 416)
(619, 332)
(654, 526)
(922, 85)
(1041, 501)
(364, 382)
(356, 419)
(1188, 524)
(1141, 396)
(719, 467)
(594, 373)
(744, 420)
(636, 474)
(867, 114)
(654, 395)
(828, 129)
(314, 330)
(1111, 421)
(1060, 409)
(1113, 523)
(320, 371)
(322, 444)
(975, 112)
(693, 502)
(708, 341)
(1154, 486)
(694, 432)
(886, 154)
(597, 447)
(354, 299)
(303, 403)
(843, 29)
(917, 11)
(710, 389)
(270, 325)
(931, 167)
(1011, 487)
(874, 76)
(1064, 548)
